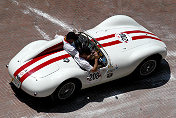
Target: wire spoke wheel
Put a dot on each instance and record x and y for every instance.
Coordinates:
(148, 67)
(66, 90)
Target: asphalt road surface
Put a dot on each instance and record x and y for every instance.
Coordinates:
(24, 21)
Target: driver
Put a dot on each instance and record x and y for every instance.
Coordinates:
(82, 59)
(69, 45)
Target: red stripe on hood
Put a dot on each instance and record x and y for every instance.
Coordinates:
(110, 43)
(143, 37)
(105, 37)
(127, 32)
(137, 31)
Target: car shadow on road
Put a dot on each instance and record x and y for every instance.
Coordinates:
(97, 93)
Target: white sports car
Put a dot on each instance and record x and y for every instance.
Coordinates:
(44, 68)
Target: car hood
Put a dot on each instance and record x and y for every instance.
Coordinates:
(110, 39)
(135, 36)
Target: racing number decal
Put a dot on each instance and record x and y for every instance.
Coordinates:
(125, 38)
(93, 76)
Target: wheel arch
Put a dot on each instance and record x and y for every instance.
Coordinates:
(76, 80)
(144, 52)
(156, 56)
(78, 88)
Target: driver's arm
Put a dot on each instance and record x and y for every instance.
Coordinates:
(95, 67)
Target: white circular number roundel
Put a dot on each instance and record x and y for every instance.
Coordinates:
(123, 37)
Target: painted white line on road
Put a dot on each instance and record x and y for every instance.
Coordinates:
(16, 2)
(171, 53)
(50, 18)
(45, 36)
(25, 11)
(46, 16)
(172, 77)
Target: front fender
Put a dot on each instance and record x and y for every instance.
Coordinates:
(145, 51)
(118, 21)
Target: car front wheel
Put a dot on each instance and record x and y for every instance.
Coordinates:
(147, 67)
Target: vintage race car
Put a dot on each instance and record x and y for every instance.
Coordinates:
(44, 68)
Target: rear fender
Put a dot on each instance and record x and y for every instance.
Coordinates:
(45, 86)
(66, 74)
(36, 48)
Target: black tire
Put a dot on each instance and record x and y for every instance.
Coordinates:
(147, 67)
(65, 91)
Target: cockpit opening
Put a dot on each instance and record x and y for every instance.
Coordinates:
(84, 40)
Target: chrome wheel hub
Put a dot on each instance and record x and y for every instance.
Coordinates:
(66, 90)
(148, 67)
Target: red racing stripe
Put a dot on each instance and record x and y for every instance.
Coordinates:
(43, 65)
(105, 37)
(30, 63)
(127, 32)
(137, 31)
(110, 43)
(33, 61)
(143, 37)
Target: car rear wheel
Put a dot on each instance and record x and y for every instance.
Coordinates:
(65, 91)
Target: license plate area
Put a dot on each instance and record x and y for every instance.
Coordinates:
(16, 82)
